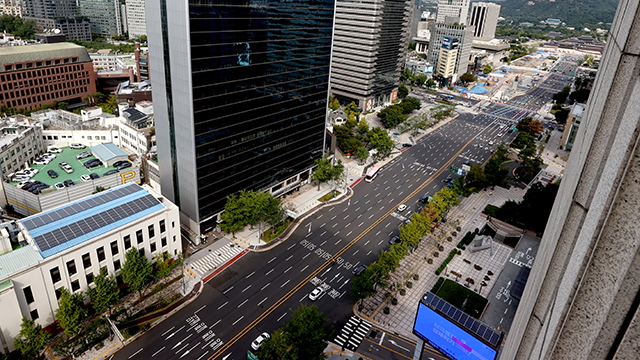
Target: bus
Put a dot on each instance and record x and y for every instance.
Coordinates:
(446, 97)
(372, 173)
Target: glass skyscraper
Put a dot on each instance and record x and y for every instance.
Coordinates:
(240, 94)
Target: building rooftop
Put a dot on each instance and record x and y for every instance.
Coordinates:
(21, 54)
(129, 87)
(69, 225)
(10, 132)
(577, 109)
(18, 259)
(107, 151)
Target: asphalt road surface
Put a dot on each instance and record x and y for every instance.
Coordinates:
(386, 346)
(261, 290)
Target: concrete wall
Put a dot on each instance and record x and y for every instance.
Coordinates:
(582, 297)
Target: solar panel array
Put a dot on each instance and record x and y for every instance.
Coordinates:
(51, 216)
(95, 222)
(491, 337)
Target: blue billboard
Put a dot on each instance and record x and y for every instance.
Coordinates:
(448, 337)
(449, 43)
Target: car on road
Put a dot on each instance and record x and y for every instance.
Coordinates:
(407, 145)
(77, 146)
(52, 174)
(395, 240)
(424, 199)
(59, 186)
(447, 179)
(54, 150)
(69, 183)
(255, 345)
(83, 155)
(500, 134)
(481, 145)
(467, 162)
(316, 293)
(402, 207)
(360, 269)
(490, 143)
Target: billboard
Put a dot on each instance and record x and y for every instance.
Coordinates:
(449, 43)
(449, 338)
(394, 95)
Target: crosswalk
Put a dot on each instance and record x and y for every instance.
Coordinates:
(216, 258)
(352, 333)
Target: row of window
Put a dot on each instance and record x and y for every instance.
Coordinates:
(41, 98)
(72, 84)
(42, 72)
(25, 83)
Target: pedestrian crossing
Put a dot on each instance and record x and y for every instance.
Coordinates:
(215, 258)
(352, 333)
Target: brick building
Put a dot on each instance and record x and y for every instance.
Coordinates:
(34, 75)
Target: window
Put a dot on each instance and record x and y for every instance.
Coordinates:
(163, 241)
(86, 260)
(173, 224)
(58, 293)
(71, 267)
(75, 286)
(114, 248)
(174, 238)
(34, 314)
(153, 247)
(116, 265)
(152, 231)
(100, 252)
(127, 242)
(141, 251)
(139, 236)
(55, 275)
(89, 278)
(28, 295)
(103, 138)
(89, 137)
(162, 227)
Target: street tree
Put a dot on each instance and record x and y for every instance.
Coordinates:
(351, 121)
(495, 173)
(363, 127)
(105, 294)
(392, 116)
(308, 332)
(362, 286)
(277, 347)
(270, 210)
(70, 313)
(476, 176)
(409, 104)
(430, 83)
(487, 69)
(362, 154)
(402, 91)
(352, 108)
(421, 79)
(326, 172)
(381, 141)
(31, 340)
(561, 96)
(535, 127)
(232, 217)
(580, 95)
(136, 271)
(467, 78)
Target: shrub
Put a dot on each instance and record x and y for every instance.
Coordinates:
(409, 284)
(449, 238)
(386, 310)
(416, 277)
(440, 248)
(403, 292)
(429, 261)
(460, 252)
(446, 261)
(458, 228)
(454, 233)
(435, 287)
(438, 272)
(394, 301)
(436, 254)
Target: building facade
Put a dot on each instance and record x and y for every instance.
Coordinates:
(447, 58)
(369, 50)
(105, 16)
(19, 144)
(455, 10)
(484, 17)
(136, 20)
(464, 34)
(571, 126)
(35, 75)
(240, 98)
(62, 15)
(10, 7)
(126, 217)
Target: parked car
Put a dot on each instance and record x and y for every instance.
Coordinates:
(124, 165)
(68, 182)
(20, 178)
(316, 293)
(52, 174)
(52, 149)
(49, 156)
(92, 163)
(35, 171)
(85, 178)
(255, 345)
(94, 176)
(118, 163)
(59, 186)
(110, 172)
(41, 161)
(66, 167)
(77, 146)
(83, 155)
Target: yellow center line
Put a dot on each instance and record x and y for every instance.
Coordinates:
(329, 261)
(390, 349)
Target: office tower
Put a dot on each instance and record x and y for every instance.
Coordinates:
(10, 7)
(105, 16)
(464, 34)
(455, 10)
(240, 95)
(369, 50)
(62, 15)
(447, 58)
(136, 20)
(484, 16)
(582, 297)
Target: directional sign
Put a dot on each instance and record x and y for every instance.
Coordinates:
(250, 356)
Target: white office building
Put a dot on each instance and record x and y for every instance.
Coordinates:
(69, 245)
(484, 16)
(136, 20)
(453, 11)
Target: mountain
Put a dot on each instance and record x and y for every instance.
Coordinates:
(573, 12)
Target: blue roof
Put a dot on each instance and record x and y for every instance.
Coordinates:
(18, 259)
(107, 151)
(64, 227)
(479, 90)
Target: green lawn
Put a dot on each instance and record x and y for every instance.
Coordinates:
(69, 156)
(455, 294)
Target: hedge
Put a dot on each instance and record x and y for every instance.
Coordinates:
(453, 253)
(435, 287)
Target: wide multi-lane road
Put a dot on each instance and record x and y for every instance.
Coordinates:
(260, 291)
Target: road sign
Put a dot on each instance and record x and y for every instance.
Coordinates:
(466, 168)
(250, 356)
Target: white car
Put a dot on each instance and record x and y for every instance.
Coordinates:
(34, 171)
(54, 150)
(42, 161)
(24, 173)
(402, 208)
(85, 178)
(255, 345)
(59, 186)
(316, 293)
(49, 156)
(490, 143)
(77, 146)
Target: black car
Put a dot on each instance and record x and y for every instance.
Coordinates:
(447, 179)
(360, 269)
(407, 145)
(110, 172)
(395, 240)
(94, 176)
(52, 174)
(118, 163)
(68, 182)
(467, 162)
(92, 163)
(124, 165)
(424, 199)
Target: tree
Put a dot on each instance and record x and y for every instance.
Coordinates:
(476, 176)
(269, 209)
(392, 116)
(31, 340)
(523, 125)
(143, 38)
(421, 79)
(495, 173)
(136, 271)
(406, 75)
(105, 294)
(381, 141)
(362, 285)
(334, 104)
(277, 347)
(430, 83)
(402, 91)
(409, 104)
(363, 154)
(17, 26)
(412, 46)
(487, 69)
(467, 78)
(69, 312)
(561, 116)
(561, 96)
(232, 217)
(580, 95)
(363, 127)
(326, 172)
(351, 121)
(352, 108)
(535, 127)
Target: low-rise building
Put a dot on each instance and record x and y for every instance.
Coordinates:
(134, 92)
(68, 246)
(10, 7)
(571, 127)
(91, 127)
(19, 144)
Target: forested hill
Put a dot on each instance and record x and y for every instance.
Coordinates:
(576, 13)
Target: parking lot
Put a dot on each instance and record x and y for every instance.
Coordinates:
(69, 156)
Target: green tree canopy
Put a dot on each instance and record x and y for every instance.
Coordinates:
(381, 141)
(17, 26)
(105, 294)
(580, 96)
(362, 154)
(487, 69)
(69, 312)
(363, 127)
(136, 271)
(31, 340)
(232, 218)
(402, 91)
(467, 78)
(561, 96)
(326, 172)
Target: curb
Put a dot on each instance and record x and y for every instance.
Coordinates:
(224, 266)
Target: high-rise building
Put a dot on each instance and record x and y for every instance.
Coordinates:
(105, 16)
(10, 7)
(136, 20)
(582, 299)
(484, 16)
(369, 50)
(62, 15)
(447, 58)
(240, 94)
(455, 10)
(464, 34)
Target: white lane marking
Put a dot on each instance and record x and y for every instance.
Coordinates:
(247, 288)
(244, 302)
(304, 268)
(207, 353)
(290, 247)
(271, 260)
(156, 353)
(288, 269)
(221, 306)
(304, 257)
(240, 318)
(289, 258)
(263, 300)
(264, 287)
(195, 312)
(280, 318)
(248, 276)
(268, 272)
(217, 322)
(281, 286)
(136, 353)
(226, 291)
(163, 334)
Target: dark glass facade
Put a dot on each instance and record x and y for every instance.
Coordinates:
(391, 49)
(260, 73)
